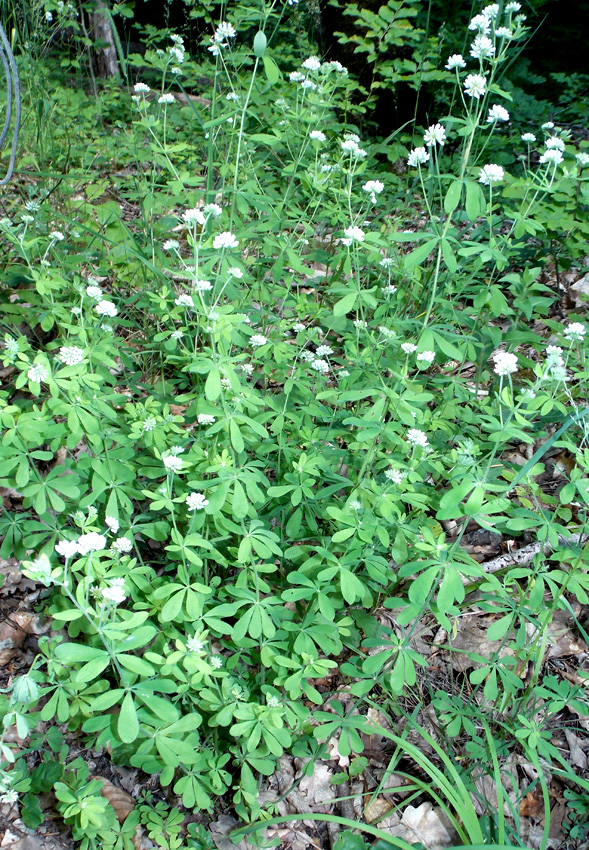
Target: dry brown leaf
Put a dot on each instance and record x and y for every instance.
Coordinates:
(122, 803)
(13, 630)
(377, 809)
(424, 824)
(532, 805)
(578, 757)
(580, 291)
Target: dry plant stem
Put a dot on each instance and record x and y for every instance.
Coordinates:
(526, 554)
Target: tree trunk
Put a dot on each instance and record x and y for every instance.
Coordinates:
(105, 55)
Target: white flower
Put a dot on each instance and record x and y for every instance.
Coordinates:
(258, 339)
(11, 796)
(106, 308)
(480, 23)
(115, 593)
(475, 85)
(91, 542)
(177, 53)
(11, 346)
(505, 363)
(94, 292)
(225, 30)
(374, 188)
(490, 174)
(184, 300)
(528, 137)
(394, 475)
(111, 523)
(194, 215)
(491, 11)
(317, 135)
(324, 350)
(166, 98)
(575, 331)
(27, 219)
(122, 544)
(582, 158)
(205, 419)
(548, 125)
(171, 245)
(235, 272)
(177, 39)
(248, 368)
(195, 644)
(408, 347)
(203, 285)
(38, 373)
(149, 423)
(353, 234)
(320, 366)
(225, 240)
(216, 661)
(416, 437)
(503, 32)
(482, 47)
(435, 135)
(173, 463)
(512, 7)
(497, 113)
(196, 501)
(296, 77)
(177, 334)
(141, 88)
(308, 84)
(418, 156)
(389, 262)
(67, 548)
(351, 146)
(554, 142)
(312, 64)
(334, 65)
(71, 355)
(48, 18)
(213, 209)
(298, 327)
(553, 156)
(355, 505)
(360, 324)
(455, 61)
(57, 236)
(426, 356)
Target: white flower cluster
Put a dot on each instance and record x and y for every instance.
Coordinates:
(353, 234)
(490, 174)
(218, 40)
(505, 363)
(86, 543)
(575, 332)
(70, 355)
(417, 438)
(196, 501)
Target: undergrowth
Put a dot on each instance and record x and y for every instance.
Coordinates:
(257, 387)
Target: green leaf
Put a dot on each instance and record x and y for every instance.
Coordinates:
(452, 198)
(128, 725)
(74, 653)
(475, 200)
(418, 255)
(213, 384)
(345, 304)
(272, 70)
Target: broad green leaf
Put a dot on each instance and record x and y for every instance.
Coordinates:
(419, 255)
(128, 725)
(452, 198)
